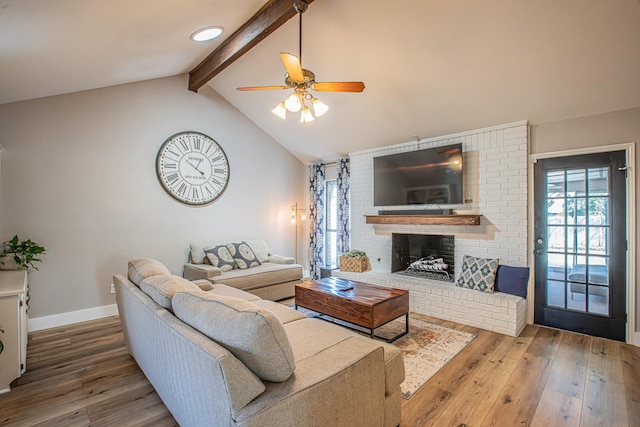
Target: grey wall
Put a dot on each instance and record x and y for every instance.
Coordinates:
(592, 131)
(78, 176)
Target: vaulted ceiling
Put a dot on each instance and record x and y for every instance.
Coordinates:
(430, 67)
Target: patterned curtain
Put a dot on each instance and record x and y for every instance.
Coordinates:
(344, 222)
(316, 219)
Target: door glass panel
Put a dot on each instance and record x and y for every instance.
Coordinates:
(556, 266)
(556, 241)
(599, 240)
(598, 271)
(577, 240)
(577, 298)
(576, 182)
(598, 300)
(598, 181)
(599, 210)
(555, 184)
(556, 211)
(556, 293)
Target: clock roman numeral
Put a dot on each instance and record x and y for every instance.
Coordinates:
(215, 159)
(185, 146)
(170, 165)
(197, 144)
(209, 192)
(172, 178)
(216, 181)
(194, 193)
(219, 170)
(182, 189)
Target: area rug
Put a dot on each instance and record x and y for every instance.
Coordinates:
(426, 349)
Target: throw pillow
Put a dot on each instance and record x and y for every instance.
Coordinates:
(478, 273)
(162, 288)
(243, 255)
(197, 253)
(220, 257)
(140, 268)
(259, 248)
(253, 334)
(512, 280)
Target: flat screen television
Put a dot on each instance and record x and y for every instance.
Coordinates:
(431, 176)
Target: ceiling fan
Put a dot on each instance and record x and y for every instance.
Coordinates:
(301, 81)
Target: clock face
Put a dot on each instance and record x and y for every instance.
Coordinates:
(192, 168)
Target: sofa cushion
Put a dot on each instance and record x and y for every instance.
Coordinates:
(277, 259)
(196, 253)
(260, 248)
(512, 280)
(266, 274)
(478, 273)
(243, 255)
(220, 257)
(311, 336)
(162, 288)
(140, 268)
(282, 312)
(228, 291)
(254, 335)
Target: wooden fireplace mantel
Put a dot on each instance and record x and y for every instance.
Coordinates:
(423, 219)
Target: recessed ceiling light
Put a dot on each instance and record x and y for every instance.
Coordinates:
(204, 34)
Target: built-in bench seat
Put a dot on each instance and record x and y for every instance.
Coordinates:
(497, 312)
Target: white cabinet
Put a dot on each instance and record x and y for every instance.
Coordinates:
(13, 319)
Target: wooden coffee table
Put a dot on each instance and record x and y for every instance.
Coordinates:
(358, 303)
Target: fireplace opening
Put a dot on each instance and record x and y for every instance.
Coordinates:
(424, 255)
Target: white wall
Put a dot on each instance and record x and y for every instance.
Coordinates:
(78, 176)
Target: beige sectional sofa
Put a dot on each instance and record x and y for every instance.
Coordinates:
(229, 358)
(271, 276)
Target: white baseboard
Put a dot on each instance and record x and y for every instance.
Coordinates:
(62, 319)
(634, 339)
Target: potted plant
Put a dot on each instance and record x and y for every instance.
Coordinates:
(18, 254)
(354, 260)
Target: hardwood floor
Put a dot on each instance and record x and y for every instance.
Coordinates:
(82, 375)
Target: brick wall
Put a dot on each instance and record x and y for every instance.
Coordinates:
(495, 179)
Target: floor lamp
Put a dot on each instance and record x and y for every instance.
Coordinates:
(295, 214)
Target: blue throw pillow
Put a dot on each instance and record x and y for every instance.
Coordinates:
(512, 280)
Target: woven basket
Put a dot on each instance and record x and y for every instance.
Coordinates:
(354, 264)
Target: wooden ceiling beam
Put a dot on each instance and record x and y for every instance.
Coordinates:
(269, 18)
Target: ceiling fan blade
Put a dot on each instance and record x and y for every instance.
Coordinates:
(338, 86)
(261, 88)
(293, 66)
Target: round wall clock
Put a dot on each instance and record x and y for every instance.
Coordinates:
(192, 168)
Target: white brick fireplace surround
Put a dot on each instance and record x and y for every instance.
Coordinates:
(495, 187)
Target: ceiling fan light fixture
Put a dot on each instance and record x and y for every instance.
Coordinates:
(306, 116)
(319, 107)
(280, 111)
(205, 34)
(293, 103)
